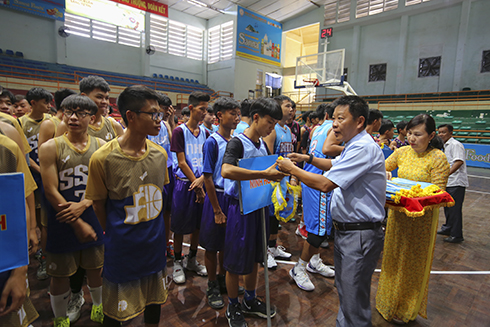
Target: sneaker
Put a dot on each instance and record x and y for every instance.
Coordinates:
(193, 265)
(280, 253)
(271, 263)
(97, 313)
(41, 273)
(321, 269)
(178, 274)
(234, 315)
(302, 279)
(257, 308)
(301, 231)
(215, 300)
(61, 322)
(324, 244)
(75, 306)
(170, 249)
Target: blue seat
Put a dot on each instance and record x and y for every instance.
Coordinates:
(9, 52)
(197, 81)
(155, 75)
(171, 78)
(182, 79)
(19, 54)
(187, 80)
(192, 81)
(160, 75)
(1, 51)
(166, 76)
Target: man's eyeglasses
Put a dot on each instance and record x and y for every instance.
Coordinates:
(154, 115)
(80, 114)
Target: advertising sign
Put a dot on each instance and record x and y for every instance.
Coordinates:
(53, 9)
(477, 155)
(109, 12)
(258, 37)
(147, 5)
(13, 229)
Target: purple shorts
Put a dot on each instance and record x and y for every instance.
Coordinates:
(168, 191)
(212, 236)
(186, 212)
(243, 240)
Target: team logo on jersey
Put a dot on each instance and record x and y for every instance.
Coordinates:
(122, 306)
(142, 177)
(147, 205)
(29, 129)
(108, 136)
(66, 159)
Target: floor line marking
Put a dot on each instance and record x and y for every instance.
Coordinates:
(476, 176)
(479, 192)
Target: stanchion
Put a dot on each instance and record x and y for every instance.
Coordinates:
(266, 269)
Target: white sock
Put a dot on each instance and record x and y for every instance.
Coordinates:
(315, 259)
(59, 304)
(301, 265)
(96, 294)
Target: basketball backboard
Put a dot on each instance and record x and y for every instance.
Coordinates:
(320, 69)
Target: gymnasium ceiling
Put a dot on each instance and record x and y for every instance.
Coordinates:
(279, 10)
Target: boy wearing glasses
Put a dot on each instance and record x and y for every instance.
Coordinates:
(74, 235)
(125, 184)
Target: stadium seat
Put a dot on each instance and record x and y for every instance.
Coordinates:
(481, 122)
(187, 80)
(1, 51)
(454, 122)
(197, 81)
(462, 133)
(166, 76)
(19, 54)
(465, 127)
(486, 134)
(408, 117)
(400, 117)
(192, 81)
(472, 140)
(171, 78)
(9, 52)
(155, 75)
(485, 141)
(474, 134)
(160, 75)
(460, 139)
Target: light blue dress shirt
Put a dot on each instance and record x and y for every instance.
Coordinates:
(359, 172)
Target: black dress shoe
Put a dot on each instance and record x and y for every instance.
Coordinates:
(443, 232)
(452, 239)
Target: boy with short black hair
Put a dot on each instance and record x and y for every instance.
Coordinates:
(243, 240)
(20, 106)
(386, 132)
(208, 121)
(6, 101)
(125, 184)
(244, 116)
(74, 235)
(279, 141)
(188, 195)
(186, 114)
(215, 209)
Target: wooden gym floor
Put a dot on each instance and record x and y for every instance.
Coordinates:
(459, 287)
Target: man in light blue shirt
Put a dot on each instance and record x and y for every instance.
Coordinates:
(357, 178)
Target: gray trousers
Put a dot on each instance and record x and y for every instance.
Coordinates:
(356, 255)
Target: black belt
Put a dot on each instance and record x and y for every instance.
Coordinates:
(356, 226)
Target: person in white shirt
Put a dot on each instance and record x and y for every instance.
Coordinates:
(456, 185)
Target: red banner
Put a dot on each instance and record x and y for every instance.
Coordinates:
(146, 5)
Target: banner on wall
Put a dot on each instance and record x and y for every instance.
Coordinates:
(477, 155)
(109, 12)
(53, 9)
(147, 5)
(258, 37)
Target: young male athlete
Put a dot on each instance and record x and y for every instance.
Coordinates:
(215, 209)
(97, 89)
(294, 127)
(163, 139)
(208, 121)
(188, 196)
(20, 106)
(39, 100)
(243, 240)
(16, 309)
(74, 235)
(125, 183)
(316, 213)
(6, 101)
(280, 142)
(244, 116)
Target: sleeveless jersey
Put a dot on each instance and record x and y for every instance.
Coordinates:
(31, 131)
(283, 144)
(163, 140)
(105, 131)
(218, 180)
(316, 203)
(193, 151)
(56, 121)
(72, 167)
(15, 123)
(250, 150)
(214, 128)
(135, 230)
(240, 128)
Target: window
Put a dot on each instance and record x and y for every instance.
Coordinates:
(220, 42)
(102, 31)
(377, 73)
(429, 66)
(414, 2)
(373, 7)
(337, 11)
(158, 32)
(485, 62)
(176, 38)
(194, 43)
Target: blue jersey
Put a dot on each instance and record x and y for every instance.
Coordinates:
(72, 165)
(250, 150)
(283, 144)
(213, 129)
(315, 203)
(214, 150)
(163, 140)
(240, 128)
(193, 151)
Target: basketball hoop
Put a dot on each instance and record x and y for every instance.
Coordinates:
(315, 82)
